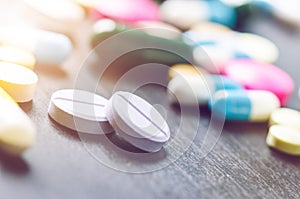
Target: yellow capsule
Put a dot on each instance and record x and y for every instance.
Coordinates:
(286, 117)
(17, 132)
(17, 56)
(284, 138)
(184, 69)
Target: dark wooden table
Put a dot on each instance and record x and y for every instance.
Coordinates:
(63, 164)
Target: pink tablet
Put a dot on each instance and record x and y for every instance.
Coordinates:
(127, 10)
(254, 75)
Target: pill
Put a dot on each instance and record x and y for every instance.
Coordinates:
(47, 47)
(220, 48)
(286, 11)
(56, 15)
(286, 117)
(256, 47)
(17, 132)
(260, 76)
(185, 14)
(184, 69)
(61, 10)
(236, 3)
(137, 121)
(147, 48)
(127, 10)
(79, 110)
(241, 105)
(197, 90)
(284, 138)
(159, 29)
(19, 82)
(17, 56)
(209, 27)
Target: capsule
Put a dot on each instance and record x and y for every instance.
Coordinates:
(242, 105)
(17, 132)
(126, 10)
(185, 14)
(184, 69)
(193, 90)
(48, 47)
(145, 47)
(254, 75)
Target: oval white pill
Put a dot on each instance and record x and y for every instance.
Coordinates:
(137, 121)
(79, 110)
(284, 138)
(17, 132)
(18, 81)
(47, 47)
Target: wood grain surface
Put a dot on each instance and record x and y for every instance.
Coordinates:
(63, 164)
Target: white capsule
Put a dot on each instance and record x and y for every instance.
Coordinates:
(79, 110)
(251, 105)
(184, 14)
(61, 16)
(193, 90)
(137, 121)
(47, 47)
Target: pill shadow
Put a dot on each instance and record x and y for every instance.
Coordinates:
(291, 159)
(115, 144)
(26, 106)
(233, 127)
(14, 165)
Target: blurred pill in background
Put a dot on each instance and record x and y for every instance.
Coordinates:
(185, 14)
(184, 69)
(287, 11)
(159, 29)
(255, 75)
(17, 55)
(195, 90)
(128, 11)
(17, 132)
(47, 47)
(151, 48)
(220, 48)
(62, 16)
(241, 105)
(209, 27)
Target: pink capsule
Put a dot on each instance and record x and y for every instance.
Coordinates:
(254, 75)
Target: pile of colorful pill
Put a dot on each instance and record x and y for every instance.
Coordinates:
(232, 72)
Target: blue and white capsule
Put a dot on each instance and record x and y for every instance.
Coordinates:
(184, 14)
(244, 105)
(194, 90)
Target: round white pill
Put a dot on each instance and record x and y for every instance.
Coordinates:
(79, 110)
(137, 121)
